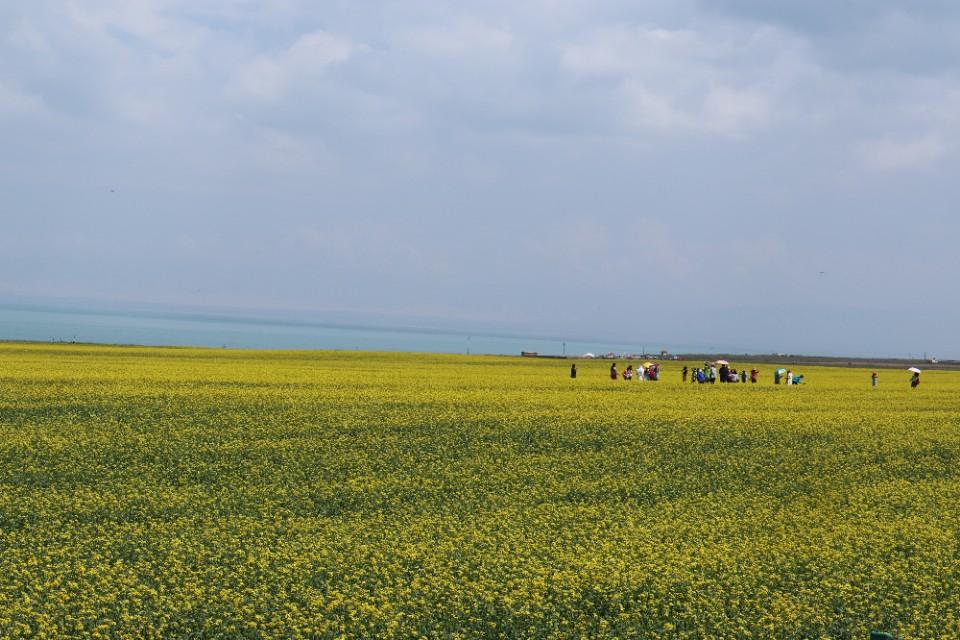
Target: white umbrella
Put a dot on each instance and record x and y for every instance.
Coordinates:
(721, 362)
(588, 355)
(914, 370)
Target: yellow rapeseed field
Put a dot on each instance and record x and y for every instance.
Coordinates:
(186, 493)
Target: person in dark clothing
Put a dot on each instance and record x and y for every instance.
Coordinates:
(724, 373)
(684, 374)
(613, 371)
(573, 371)
(915, 380)
(743, 376)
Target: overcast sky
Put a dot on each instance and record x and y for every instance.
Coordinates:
(737, 173)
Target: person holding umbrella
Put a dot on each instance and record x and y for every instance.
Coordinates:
(915, 379)
(724, 370)
(653, 372)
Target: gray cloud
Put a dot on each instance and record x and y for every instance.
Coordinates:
(562, 166)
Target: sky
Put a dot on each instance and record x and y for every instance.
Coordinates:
(760, 176)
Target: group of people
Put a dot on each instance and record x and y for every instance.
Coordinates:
(786, 376)
(649, 372)
(710, 373)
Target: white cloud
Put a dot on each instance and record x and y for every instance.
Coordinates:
(270, 76)
(681, 80)
(150, 23)
(891, 154)
(620, 50)
(729, 111)
(722, 110)
(464, 36)
(281, 152)
(645, 109)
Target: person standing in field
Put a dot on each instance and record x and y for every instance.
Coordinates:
(641, 373)
(628, 373)
(743, 376)
(873, 379)
(789, 377)
(724, 373)
(613, 371)
(915, 380)
(713, 374)
(573, 371)
(684, 372)
(754, 375)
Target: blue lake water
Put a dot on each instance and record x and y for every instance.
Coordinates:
(114, 327)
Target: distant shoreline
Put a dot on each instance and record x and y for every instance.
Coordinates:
(679, 359)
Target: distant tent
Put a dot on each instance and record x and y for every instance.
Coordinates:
(588, 356)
